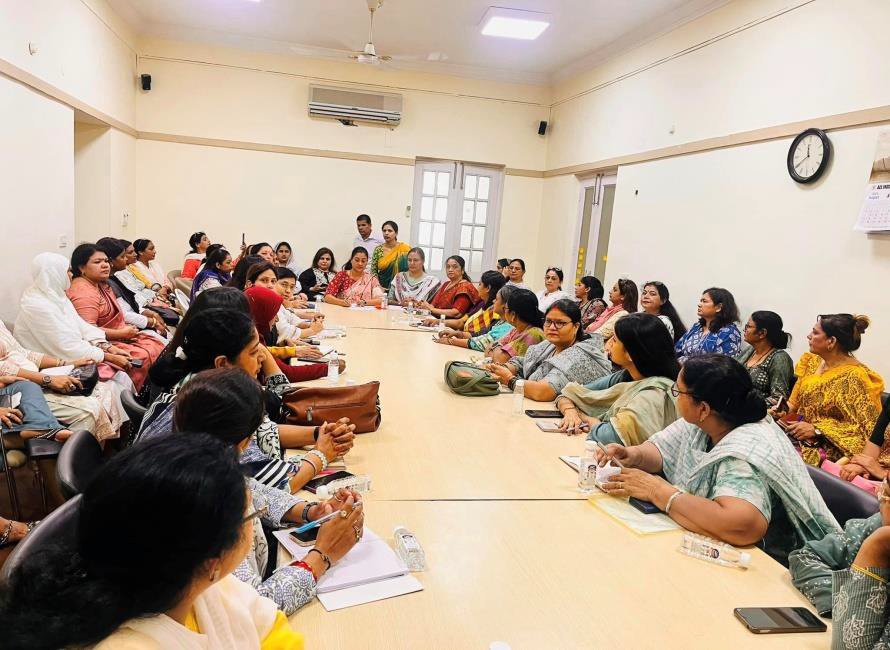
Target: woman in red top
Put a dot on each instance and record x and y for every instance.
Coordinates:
(264, 306)
(455, 297)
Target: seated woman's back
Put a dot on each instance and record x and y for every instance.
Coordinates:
(630, 405)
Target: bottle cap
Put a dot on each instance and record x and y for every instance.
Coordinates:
(744, 559)
(323, 492)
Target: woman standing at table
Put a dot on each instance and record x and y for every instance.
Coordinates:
(567, 354)
(455, 297)
(352, 286)
(716, 331)
(836, 397)
(630, 405)
(414, 285)
(94, 301)
(391, 257)
(731, 473)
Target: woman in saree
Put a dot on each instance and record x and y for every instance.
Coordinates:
(836, 399)
(483, 342)
(352, 286)
(729, 471)
(414, 285)
(391, 257)
(455, 297)
(630, 405)
(148, 270)
(94, 301)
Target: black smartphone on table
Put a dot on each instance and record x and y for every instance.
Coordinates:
(646, 507)
(539, 413)
(779, 620)
(307, 537)
(324, 479)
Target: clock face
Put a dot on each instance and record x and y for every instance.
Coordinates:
(809, 155)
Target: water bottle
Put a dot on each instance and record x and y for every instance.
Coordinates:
(358, 483)
(441, 326)
(384, 303)
(519, 397)
(318, 300)
(710, 550)
(587, 469)
(409, 549)
(334, 367)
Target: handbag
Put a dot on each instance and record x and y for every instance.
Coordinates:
(314, 405)
(88, 376)
(467, 379)
(170, 316)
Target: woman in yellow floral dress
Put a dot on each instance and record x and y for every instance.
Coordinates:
(836, 399)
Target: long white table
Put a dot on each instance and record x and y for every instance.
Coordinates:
(515, 553)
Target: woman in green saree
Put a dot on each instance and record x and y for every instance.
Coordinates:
(391, 257)
(630, 405)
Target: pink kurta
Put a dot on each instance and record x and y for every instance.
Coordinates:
(96, 304)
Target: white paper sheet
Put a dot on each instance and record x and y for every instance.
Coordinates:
(361, 594)
(363, 308)
(624, 513)
(572, 461)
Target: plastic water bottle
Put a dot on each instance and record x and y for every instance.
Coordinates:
(519, 397)
(334, 367)
(587, 469)
(440, 327)
(409, 549)
(359, 483)
(711, 550)
(384, 303)
(318, 300)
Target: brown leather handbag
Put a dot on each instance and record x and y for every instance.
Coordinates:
(314, 405)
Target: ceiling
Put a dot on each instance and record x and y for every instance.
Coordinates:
(433, 35)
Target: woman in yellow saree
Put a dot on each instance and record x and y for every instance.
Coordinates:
(391, 257)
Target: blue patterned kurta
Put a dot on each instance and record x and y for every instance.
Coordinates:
(697, 341)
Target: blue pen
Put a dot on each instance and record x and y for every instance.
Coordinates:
(319, 522)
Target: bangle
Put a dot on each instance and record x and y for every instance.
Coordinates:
(315, 469)
(324, 557)
(305, 515)
(302, 564)
(321, 457)
(315, 433)
(667, 508)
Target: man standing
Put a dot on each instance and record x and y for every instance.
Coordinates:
(365, 238)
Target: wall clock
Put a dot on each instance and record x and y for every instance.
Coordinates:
(809, 155)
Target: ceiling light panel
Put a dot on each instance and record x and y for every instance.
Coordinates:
(514, 23)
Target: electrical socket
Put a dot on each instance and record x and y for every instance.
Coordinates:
(125, 219)
(63, 241)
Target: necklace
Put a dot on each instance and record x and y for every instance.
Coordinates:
(754, 361)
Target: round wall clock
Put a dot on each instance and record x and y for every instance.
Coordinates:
(809, 155)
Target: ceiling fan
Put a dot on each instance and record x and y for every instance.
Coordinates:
(368, 55)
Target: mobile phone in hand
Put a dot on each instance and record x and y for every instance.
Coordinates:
(136, 363)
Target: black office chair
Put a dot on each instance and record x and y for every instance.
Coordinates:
(844, 500)
(885, 397)
(39, 450)
(135, 411)
(58, 528)
(79, 459)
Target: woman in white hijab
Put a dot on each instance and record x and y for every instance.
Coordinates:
(47, 322)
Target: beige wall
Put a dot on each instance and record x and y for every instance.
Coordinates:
(733, 217)
(36, 185)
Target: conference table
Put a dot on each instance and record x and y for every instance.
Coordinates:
(514, 552)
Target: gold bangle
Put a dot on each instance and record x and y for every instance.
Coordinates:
(311, 464)
(866, 572)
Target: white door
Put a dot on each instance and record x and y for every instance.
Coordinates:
(594, 226)
(456, 209)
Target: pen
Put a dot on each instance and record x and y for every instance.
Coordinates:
(319, 522)
(608, 455)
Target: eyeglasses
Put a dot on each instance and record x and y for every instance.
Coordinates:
(676, 392)
(256, 513)
(558, 324)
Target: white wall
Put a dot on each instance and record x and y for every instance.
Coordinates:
(733, 217)
(36, 185)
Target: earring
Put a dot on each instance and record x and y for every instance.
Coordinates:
(214, 574)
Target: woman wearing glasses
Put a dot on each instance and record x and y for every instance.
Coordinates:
(845, 576)
(552, 290)
(731, 473)
(567, 355)
(149, 566)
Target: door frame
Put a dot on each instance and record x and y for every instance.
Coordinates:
(602, 179)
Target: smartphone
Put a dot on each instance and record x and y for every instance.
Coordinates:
(536, 413)
(307, 537)
(243, 239)
(324, 479)
(645, 507)
(136, 363)
(549, 426)
(779, 620)
(782, 405)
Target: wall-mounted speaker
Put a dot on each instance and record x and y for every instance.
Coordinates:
(542, 128)
(146, 81)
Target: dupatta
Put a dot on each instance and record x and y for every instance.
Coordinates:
(386, 264)
(635, 409)
(365, 288)
(445, 297)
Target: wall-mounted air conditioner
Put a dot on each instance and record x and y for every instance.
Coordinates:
(355, 105)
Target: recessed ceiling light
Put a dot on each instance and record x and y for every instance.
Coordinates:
(514, 23)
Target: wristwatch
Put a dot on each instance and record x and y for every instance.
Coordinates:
(46, 380)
